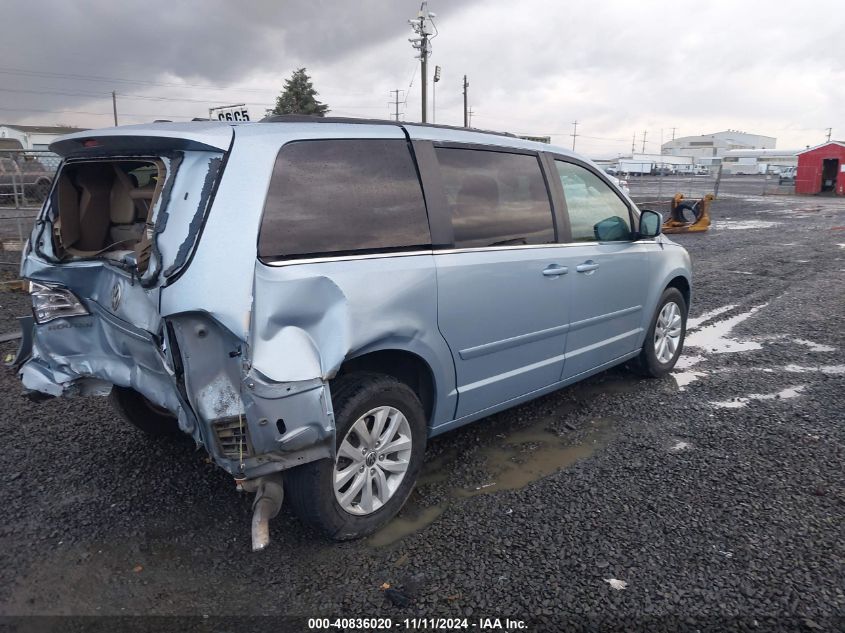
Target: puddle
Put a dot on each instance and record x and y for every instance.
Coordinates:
(684, 378)
(534, 453)
(814, 347)
(412, 519)
(694, 322)
(680, 446)
(744, 224)
(832, 370)
(519, 458)
(716, 339)
(685, 361)
(784, 394)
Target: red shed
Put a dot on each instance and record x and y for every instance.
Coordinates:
(821, 169)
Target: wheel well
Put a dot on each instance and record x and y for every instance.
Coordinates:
(683, 286)
(406, 367)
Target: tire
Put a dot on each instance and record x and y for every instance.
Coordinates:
(692, 207)
(140, 412)
(357, 398)
(648, 363)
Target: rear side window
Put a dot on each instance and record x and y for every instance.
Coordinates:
(496, 198)
(596, 213)
(343, 196)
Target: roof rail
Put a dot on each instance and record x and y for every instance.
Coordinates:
(310, 118)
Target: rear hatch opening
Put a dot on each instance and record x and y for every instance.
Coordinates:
(104, 209)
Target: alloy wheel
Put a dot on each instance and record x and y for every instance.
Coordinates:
(667, 332)
(372, 460)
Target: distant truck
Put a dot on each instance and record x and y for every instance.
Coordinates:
(787, 176)
(638, 167)
(24, 175)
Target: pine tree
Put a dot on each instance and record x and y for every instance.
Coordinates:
(298, 97)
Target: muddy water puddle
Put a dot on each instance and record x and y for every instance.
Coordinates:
(518, 458)
(534, 453)
(413, 519)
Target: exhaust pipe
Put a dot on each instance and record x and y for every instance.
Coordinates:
(269, 494)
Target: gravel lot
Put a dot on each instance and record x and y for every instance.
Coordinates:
(717, 494)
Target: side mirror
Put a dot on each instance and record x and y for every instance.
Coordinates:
(650, 223)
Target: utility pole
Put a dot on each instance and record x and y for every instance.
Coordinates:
(673, 133)
(829, 131)
(422, 25)
(633, 144)
(466, 118)
(644, 135)
(469, 112)
(574, 133)
(395, 102)
(114, 106)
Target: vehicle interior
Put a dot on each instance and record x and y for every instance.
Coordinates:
(103, 207)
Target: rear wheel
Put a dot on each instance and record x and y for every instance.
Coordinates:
(147, 416)
(380, 439)
(664, 340)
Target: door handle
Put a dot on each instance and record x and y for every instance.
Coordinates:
(555, 271)
(586, 267)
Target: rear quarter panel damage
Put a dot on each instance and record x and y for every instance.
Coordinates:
(309, 318)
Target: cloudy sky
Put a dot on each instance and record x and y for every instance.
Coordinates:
(621, 69)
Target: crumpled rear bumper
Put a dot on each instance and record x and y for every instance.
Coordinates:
(194, 370)
(85, 355)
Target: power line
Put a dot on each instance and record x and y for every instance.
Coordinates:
(52, 75)
(134, 114)
(122, 95)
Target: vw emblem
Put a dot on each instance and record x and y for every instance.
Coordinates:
(115, 298)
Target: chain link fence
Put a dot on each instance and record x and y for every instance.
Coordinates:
(656, 190)
(26, 177)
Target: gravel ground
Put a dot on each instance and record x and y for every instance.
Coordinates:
(716, 494)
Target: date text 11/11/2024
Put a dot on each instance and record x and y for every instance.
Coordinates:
(431, 624)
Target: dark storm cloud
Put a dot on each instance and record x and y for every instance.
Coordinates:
(151, 47)
(214, 40)
(652, 68)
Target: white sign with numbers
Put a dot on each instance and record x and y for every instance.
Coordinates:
(239, 113)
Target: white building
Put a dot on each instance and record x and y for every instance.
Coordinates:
(651, 163)
(758, 161)
(33, 136)
(718, 144)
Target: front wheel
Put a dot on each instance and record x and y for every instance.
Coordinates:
(380, 439)
(664, 340)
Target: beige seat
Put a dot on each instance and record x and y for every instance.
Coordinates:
(125, 226)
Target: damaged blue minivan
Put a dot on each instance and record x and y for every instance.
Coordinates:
(311, 299)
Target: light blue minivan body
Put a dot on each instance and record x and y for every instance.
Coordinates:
(215, 333)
